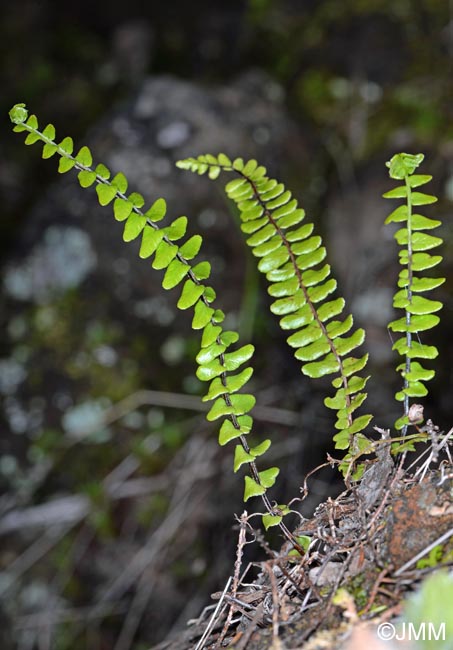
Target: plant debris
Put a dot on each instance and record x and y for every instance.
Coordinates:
(364, 557)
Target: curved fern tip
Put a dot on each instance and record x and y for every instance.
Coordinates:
(403, 164)
(18, 114)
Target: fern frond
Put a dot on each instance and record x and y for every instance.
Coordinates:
(293, 260)
(419, 312)
(217, 361)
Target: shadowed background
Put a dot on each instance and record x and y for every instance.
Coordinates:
(117, 504)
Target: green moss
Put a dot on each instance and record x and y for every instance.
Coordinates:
(358, 587)
(439, 555)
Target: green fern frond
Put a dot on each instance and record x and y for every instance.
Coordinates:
(217, 361)
(419, 312)
(293, 260)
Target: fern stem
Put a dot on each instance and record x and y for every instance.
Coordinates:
(254, 470)
(409, 295)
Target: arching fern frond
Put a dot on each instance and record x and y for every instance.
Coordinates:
(419, 312)
(293, 259)
(217, 361)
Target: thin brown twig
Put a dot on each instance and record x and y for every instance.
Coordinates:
(250, 628)
(276, 560)
(275, 604)
(374, 591)
(305, 490)
(242, 540)
(433, 452)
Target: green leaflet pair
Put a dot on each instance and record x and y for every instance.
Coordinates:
(292, 257)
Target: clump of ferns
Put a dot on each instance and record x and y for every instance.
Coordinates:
(293, 259)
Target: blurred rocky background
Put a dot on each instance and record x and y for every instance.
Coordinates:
(117, 506)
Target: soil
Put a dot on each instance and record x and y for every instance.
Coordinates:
(361, 563)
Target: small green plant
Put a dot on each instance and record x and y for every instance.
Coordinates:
(419, 312)
(292, 257)
(293, 260)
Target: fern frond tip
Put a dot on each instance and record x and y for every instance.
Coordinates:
(18, 114)
(403, 164)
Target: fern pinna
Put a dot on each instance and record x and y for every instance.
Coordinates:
(419, 311)
(216, 360)
(293, 260)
